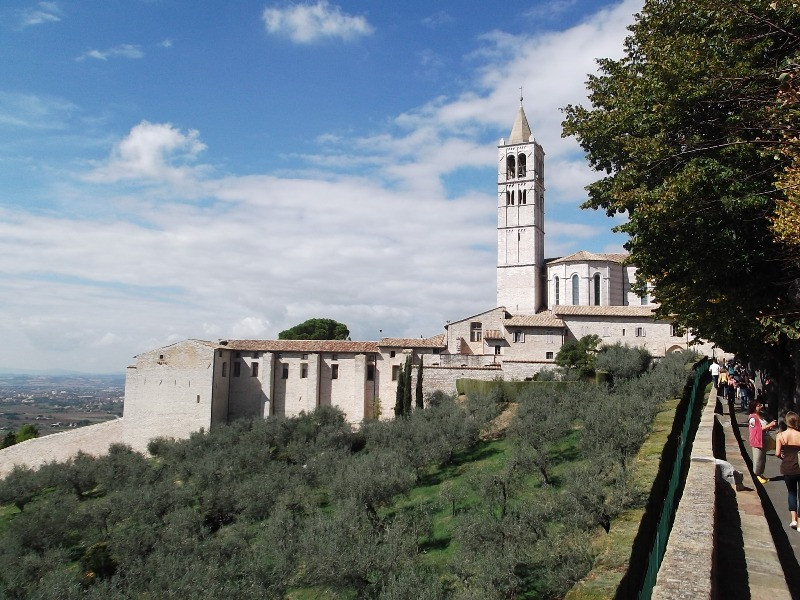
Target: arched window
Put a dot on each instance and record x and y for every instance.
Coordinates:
(510, 167)
(522, 167)
(575, 290)
(558, 292)
(523, 196)
(508, 197)
(596, 289)
(512, 198)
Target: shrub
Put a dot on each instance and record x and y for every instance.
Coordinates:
(622, 361)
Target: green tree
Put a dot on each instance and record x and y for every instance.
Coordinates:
(400, 396)
(316, 329)
(690, 134)
(579, 355)
(9, 439)
(623, 362)
(407, 386)
(27, 432)
(419, 401)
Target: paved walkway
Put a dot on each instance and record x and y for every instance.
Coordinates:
(764, 544)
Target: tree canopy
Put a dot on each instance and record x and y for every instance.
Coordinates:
(316, 329)
(696, 131)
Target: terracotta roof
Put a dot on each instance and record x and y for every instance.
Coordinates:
(436, 341)
(543, 319)
(584, 256)
(604, 311)
(338, 346)
(493, 334)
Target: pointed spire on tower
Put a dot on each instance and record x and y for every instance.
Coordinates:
(521, 131)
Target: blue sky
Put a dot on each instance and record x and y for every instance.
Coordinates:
(176, 170)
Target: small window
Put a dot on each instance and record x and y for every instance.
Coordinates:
(284, 371)
(558, 291)
(334, 371)
(370, 372)
(395, 372)
(160, 357)
(254, 369)
(198, 398)
(675, 330)
(304, 371)
(519, 336)
(392, 353)
(237, 368)
(548, 356)
(575, 296)
(640, 332)
(497, 349)
(475, 332)
(623, 333)
(224, 369)
(596, 281)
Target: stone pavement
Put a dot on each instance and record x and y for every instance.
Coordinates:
(764, 544)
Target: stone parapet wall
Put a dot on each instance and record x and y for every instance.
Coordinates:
(92, 439)
(687, 568)
(444, 378)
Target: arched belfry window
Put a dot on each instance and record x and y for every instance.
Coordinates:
(596, 280)
(557, 290)
(575, 290)
(512, 197)
(522, 167)
(510, 167)
(508, 197)
(523, 196)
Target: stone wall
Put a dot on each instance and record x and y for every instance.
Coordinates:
(92, 439)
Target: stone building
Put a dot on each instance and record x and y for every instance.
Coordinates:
(194, 385)
(541, 305)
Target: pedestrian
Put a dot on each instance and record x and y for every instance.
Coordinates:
(759, 429)
(787, 446)
(722, 383)
(714, 368)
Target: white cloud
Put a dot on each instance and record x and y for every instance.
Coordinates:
(121, 51)
(308, 23)
(34, 112)
(150, 152)
(391, 248)
(43, 12)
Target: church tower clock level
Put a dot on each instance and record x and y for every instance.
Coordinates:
(520, 220)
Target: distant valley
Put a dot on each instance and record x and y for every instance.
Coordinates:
(58, 402)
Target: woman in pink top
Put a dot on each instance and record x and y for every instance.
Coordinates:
(758, 426)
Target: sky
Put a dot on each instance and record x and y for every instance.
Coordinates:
(207, 170)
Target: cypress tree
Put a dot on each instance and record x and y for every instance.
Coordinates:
(420, 403)
(407, 386)
(399, 403)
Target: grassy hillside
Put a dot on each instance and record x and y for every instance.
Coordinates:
(302, 508)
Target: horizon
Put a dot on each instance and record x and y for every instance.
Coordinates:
(180, 172)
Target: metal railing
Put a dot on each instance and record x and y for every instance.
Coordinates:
(675, 482)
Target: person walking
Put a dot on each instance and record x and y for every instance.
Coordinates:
(759, 427)
(714, 368)
(722, 383)
(787, 446)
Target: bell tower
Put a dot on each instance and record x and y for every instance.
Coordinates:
(520, 220)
